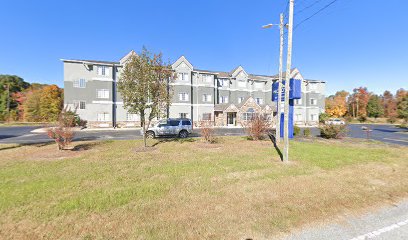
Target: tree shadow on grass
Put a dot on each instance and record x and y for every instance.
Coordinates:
(273, 140)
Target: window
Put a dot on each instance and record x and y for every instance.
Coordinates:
(248, 115)
(79, 83)
(206, 116)
(206, 97)
(223, 82)
(183, 115)
(102, 70)
(102, 117)
(185, 123)
(174, 123)
(313, 117)
(259, 100)
(102, 93)
(183, 76)
(241, 83)
(298, 117)
(259, 85)
(240, 99)
(206, 78)
(223, 99)
(298, 101)
(312, 101)
(132, 117)
(79, 104)
(183, 96)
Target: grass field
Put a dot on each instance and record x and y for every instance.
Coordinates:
(190, 190)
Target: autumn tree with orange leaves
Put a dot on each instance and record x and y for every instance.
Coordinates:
(336, 105)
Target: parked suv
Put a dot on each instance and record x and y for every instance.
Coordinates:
(180, 127)
(334, 121)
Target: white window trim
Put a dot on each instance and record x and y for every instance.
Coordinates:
(182, 76)
(223, 99)
(314, 100)
(103, 96)
(186, 96)
(106, 117)
(207, 97)
(77, 83)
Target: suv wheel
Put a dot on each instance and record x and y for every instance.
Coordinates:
(183, 134)
(150, 135)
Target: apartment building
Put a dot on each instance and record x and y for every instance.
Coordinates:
(224, 98)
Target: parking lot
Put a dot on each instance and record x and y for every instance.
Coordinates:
(24, 135)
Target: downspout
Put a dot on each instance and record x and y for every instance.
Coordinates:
(192, 99)
(114, 96)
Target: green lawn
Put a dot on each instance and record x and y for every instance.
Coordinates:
(189, 189)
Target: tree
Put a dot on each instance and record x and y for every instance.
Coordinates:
(31, 106)
(51, 102)
(336, 106)
(389, 104)
(403, 108)
(358, 101)
(10, 84)
(402, 103)
(374, 107)
(144, 86)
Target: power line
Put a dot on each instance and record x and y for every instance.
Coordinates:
(307, 7)
(314, 14)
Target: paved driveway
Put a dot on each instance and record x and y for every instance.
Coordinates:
(23, 134)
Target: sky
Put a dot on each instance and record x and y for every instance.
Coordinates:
(352, 43)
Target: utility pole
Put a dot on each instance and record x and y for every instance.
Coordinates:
(287, 79)
(278, 116)
(8, 102)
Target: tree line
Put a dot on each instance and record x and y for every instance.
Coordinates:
(362, 104)
(22, 101)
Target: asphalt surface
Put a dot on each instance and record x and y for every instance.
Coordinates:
(390, 222)
(23, 134)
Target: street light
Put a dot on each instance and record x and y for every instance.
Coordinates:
(278, 115)
(268, 25)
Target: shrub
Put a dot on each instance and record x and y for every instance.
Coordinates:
(333, 131)
(323, 117)
(306, 132)
(296, 130)
(77, 121)
(63, 133)
(207, 131)
(362, 118)
(257, 127)
(392, 119)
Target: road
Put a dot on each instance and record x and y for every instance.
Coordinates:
(390, 222)
(23, 134)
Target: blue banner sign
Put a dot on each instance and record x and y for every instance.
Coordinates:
(294, 93)
(294, 90)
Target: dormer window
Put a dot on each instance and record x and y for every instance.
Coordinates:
(183, 76)
(102, 71)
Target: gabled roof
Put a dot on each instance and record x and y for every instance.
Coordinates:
(181, 60)
(90, 61)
